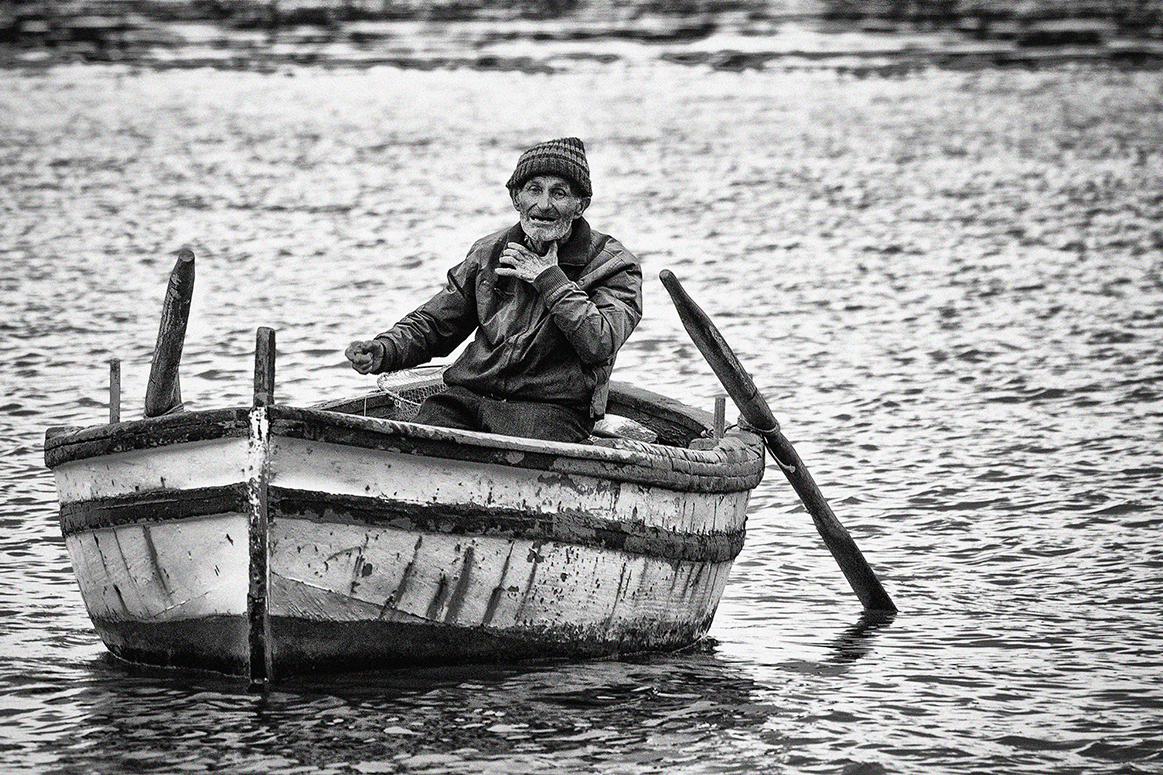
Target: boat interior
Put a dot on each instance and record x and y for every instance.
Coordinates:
(632, 413)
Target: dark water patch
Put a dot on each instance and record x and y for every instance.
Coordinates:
(1119, 509)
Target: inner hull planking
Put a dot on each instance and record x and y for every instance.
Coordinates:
(280, 540)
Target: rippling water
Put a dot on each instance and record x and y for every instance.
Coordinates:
(949, 285)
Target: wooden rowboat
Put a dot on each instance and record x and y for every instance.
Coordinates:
(272, 539)
(275, 539)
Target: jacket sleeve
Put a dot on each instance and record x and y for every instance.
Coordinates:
(599, 322)
(436, 327)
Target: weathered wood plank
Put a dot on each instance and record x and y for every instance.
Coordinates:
(367, 574)
(323, 467)
(656, 465)
(186, 427)
(163, 572)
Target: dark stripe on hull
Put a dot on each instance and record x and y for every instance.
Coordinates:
(208, 643)
(307, 646)
(151, 507)
(569, 527)
(470, 520)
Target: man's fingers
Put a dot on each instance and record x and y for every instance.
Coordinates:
(362, 355)
(516, 250)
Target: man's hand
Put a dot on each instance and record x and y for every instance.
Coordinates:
(521, 262)
(365, 357)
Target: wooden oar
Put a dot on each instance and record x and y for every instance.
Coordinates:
(162, 392)
(757, 413)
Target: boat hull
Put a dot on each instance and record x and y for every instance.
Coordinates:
(158, 538)
(280, 540)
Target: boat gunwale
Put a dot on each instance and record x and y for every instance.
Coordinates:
(70, 444)
(734, 464)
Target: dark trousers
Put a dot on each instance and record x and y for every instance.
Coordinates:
(466, 410)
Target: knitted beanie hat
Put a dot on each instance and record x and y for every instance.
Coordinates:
(565, 157)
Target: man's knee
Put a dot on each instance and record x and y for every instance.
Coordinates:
(552, 423)
(446, 410)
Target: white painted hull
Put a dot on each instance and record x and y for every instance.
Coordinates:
(284, 540)
(168, 590)
(489, 591)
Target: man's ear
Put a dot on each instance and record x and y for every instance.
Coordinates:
(513, 196)
(582, 205)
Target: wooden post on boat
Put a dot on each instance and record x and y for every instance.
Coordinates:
(257, 487)
(720, 426)
(757, 413)
(114, 390)
(264, 367)
(162, 393)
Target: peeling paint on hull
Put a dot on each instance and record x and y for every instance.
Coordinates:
(386, 544)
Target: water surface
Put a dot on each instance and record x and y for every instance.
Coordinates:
(949, 285)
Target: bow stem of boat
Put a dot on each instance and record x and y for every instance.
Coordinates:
(258, 500)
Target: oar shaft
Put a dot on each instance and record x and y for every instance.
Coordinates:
(836, 537)
(757, 412)
(719, 355)
(162, 392)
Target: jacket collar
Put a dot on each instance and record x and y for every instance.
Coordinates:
(573, 252)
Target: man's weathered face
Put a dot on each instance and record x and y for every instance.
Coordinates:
(548, 207)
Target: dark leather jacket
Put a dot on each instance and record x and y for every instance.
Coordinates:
(553, 340)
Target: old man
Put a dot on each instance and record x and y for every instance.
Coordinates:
(548, 302)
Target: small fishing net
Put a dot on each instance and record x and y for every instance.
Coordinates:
(411, 386)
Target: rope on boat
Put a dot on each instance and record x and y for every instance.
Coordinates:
(746, 426)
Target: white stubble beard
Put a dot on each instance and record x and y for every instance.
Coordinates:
(542, 234)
